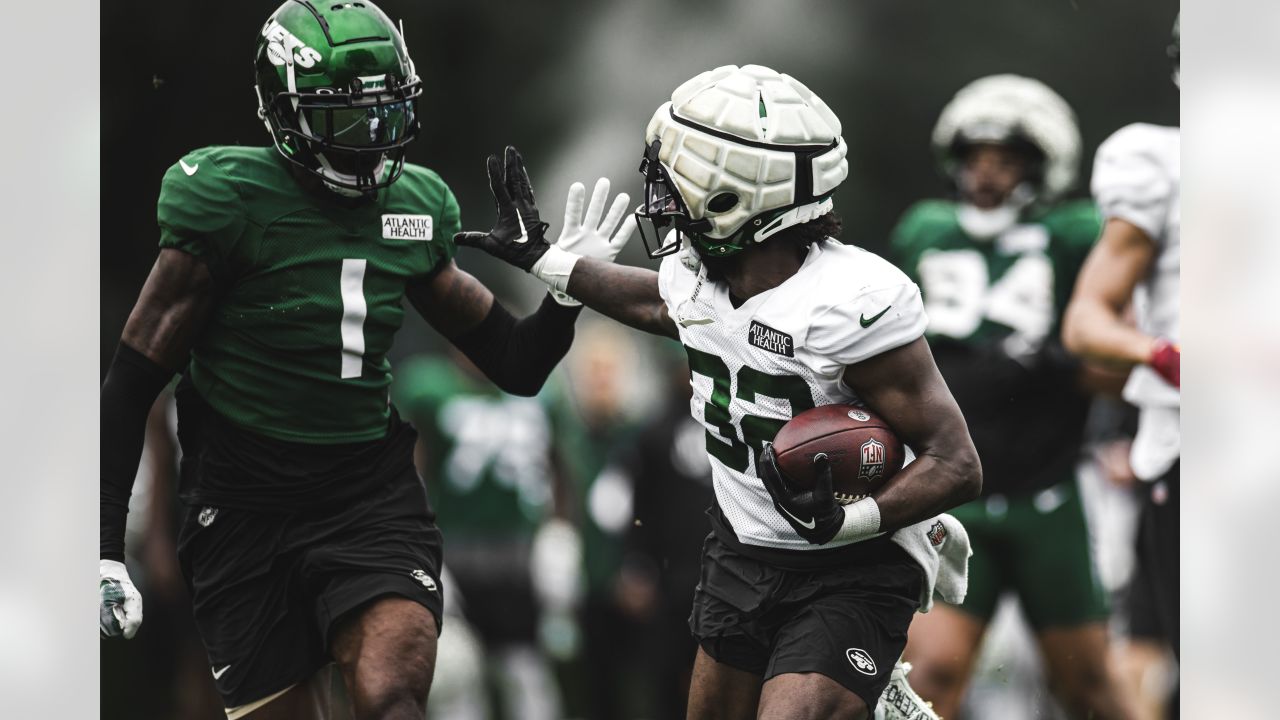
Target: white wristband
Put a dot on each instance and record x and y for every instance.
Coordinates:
(861, 521)
(554, 266)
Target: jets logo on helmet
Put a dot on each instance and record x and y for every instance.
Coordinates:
(281, 44)
(737, 155)
(1010, 109)
(338, 92)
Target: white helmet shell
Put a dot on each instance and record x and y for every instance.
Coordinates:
(998, 108)
(749, 131)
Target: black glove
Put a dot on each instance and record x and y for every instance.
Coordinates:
(518, 236)
(815, 514)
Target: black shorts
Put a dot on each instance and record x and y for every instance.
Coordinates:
(268, 586)
(1158, 551)
(847, 622)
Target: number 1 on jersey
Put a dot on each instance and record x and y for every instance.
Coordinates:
(354, 310)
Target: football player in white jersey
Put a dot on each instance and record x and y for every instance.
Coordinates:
(1137, 183)
(803, 604)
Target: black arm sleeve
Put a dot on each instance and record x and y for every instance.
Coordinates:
(519, 355)
(133, 381)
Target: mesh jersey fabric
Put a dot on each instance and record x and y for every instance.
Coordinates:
(781, 352)
(309, 288)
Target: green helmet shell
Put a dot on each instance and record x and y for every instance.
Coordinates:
(337, 91)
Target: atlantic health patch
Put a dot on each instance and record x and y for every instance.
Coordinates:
(406, 227)
(766, 338)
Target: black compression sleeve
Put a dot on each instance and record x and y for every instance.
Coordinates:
(518, 355)
(133, 381)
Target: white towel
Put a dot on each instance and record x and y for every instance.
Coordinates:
(941, 546)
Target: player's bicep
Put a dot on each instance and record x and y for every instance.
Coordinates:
(171, 309)
(904, 387)
(1116, 264)
(451, 300)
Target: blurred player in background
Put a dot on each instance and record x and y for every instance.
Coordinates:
(996, 267)
(308, 538)
(593, 416)
(667, 468)
(486, 457)
(1137, 183)
(803, 605)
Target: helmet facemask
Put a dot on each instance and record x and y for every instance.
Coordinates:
(663, 218)
(352, 138)
(338, 93)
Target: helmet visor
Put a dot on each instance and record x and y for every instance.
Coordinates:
(376, 125)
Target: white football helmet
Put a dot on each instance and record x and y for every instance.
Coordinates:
(737, 155)
(1008, 109)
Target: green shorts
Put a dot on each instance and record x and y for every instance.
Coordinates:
(1036, 546)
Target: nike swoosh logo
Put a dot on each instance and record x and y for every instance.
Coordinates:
(869, 321)
(689, 322)
(813, 522)
(524, 234)
(189, 169)
(217, 674)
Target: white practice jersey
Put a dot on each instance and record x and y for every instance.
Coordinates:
(782, 352)
(1137, 177)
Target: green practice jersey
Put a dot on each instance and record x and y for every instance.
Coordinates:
(309, 288)
(995, 310)
(488, 454)
(1012, 288)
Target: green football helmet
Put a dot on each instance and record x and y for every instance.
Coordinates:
(338, 92)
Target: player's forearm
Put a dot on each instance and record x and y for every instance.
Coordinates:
(155, 343)
(519, 355)
(932, 484)
(133, 381)
(626, 294)
(1093, 329)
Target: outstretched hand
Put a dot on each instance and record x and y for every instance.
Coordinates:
(518, 236)
(591, 235)
(814, 513)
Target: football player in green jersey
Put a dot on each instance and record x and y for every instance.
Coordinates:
(277, 292)
(996, 267)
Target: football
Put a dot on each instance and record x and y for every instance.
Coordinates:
(863, 450)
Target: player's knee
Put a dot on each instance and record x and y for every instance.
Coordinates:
(389, 668)
(810, 696)
(387, 692)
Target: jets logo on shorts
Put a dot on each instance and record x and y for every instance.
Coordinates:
(207, 516)
(424, 579)
(861, 661)
(871, 460)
